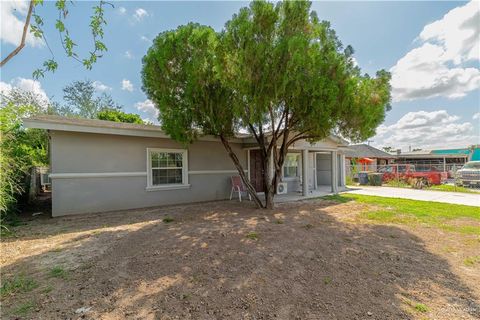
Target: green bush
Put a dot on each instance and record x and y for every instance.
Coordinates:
(349, 181)
(20, 150)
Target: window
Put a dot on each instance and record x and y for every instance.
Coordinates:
(472, 165)
(166, 168)
(290, 166)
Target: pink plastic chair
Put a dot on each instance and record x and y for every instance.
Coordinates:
(237, 186)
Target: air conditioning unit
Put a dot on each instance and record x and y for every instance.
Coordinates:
(282, 188)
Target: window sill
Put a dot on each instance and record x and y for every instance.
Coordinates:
(168, 187)
(290, 178)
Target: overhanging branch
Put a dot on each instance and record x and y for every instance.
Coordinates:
(24, 37)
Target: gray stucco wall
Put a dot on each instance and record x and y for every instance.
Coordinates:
(73, 152)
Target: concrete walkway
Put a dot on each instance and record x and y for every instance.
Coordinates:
(469, 199)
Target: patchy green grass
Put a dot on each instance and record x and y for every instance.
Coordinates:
(6, 232)
(450, 188)
(420, 307)
(252, 235)
(308, 226)
(278, 221)
(417, 306)
(168, 219)
(327, 280)
(47, 289)
(23, 309)
(336, 198)
(405, 211)
(396, 184)
(440, 187)
(471, 261)
(58, 272)
(17, 284)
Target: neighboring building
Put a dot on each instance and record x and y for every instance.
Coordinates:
(365, 154)
(100, 166)
(445, 160)
(439, 158)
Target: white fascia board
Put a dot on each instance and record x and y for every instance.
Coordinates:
(38, 124)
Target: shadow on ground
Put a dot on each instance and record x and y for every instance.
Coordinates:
(226, 260)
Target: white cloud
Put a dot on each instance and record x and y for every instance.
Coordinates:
(12, 16)
(144, 38)
(127, 85)
(122, 10)
(24, 84)
(5, 87)
(422, 129)
(149, 109)
(458, 31)
(140, 13)
(100, 86)
(128, 55)
(439, 65)
(476, 116)
(29, 85)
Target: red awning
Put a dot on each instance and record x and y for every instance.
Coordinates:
(365, 160)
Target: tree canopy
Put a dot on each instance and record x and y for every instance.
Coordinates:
(275, 70)
(81, 99)
(119, 116)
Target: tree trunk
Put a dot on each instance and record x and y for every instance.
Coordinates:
(266, 177)
(269, 204)
(278, 160)
(269, 188)
(251, 190)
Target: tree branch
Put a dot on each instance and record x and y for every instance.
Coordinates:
(300, 137)
(24, 36)
(251, 190)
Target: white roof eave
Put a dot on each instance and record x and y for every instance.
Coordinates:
(154, 132)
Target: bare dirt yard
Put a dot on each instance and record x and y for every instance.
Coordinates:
(317, 259)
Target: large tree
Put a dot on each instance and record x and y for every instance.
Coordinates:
(275, 70)
(81, 99)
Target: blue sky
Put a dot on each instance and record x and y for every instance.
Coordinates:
(431, 48)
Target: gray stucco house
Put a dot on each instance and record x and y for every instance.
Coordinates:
(101, 166)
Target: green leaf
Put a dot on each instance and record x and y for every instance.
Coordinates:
(38, 20)
(100, 46)
(37, 32)
(69, 44)
(37, 74)
(60, 26)
(60, 4)
(50, 65)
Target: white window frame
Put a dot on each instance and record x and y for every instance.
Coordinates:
(294, 178)
(183, 185)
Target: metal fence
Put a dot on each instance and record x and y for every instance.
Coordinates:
(398, 174)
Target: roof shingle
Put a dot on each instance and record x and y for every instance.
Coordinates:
(366, 151)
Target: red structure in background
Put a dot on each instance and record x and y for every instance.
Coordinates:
(364, 163)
